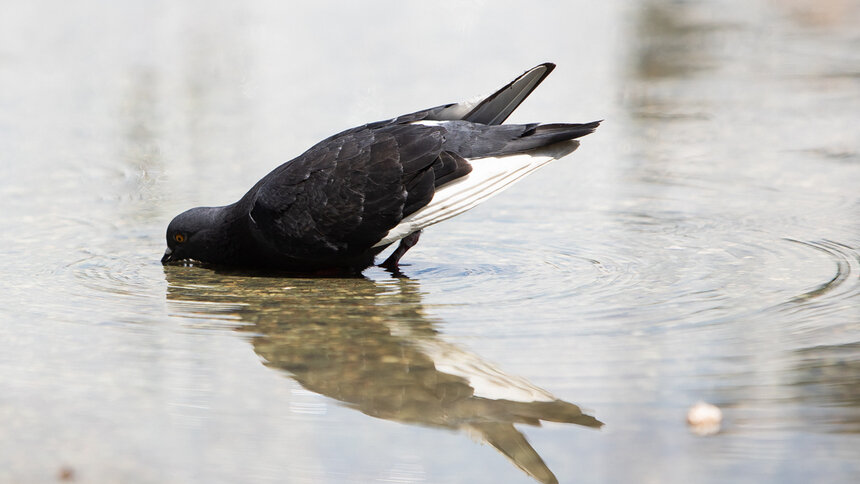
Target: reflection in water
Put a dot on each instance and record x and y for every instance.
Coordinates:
(825, 378)
(673, 41)
(369, 345)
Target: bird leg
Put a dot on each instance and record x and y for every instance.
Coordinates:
(406, 243)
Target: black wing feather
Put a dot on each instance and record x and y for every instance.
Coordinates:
(344, 194)
(450, 166)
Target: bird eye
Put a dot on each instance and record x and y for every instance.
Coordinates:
(179, 238)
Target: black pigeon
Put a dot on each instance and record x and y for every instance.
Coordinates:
(339, 204)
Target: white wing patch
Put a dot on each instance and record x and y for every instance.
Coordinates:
(489, 176)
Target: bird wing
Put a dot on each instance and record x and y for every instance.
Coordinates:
(343, 195)
(498, 156)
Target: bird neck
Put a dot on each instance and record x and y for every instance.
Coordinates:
(223, 233)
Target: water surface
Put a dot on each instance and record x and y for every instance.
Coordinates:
(704, 244)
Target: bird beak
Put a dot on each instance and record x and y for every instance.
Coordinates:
(168, 256)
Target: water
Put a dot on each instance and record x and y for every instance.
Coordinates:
(704, 244)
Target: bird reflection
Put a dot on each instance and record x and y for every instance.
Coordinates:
(371, 346)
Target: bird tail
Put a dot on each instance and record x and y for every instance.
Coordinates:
(495, 108)
(562, 131)
(541, 135)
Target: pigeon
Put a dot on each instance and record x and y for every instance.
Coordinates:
(335, 207)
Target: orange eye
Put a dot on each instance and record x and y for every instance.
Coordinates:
(179, 238)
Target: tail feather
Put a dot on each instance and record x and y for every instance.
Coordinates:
(495, 108)
(570, 130)
(548, 134)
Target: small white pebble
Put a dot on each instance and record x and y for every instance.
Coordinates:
(704, 418)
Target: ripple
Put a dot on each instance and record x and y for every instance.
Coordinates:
(524, 275)
(111, 275)
(649, 270)
(846, 261)
(118, 284)
(836, 294)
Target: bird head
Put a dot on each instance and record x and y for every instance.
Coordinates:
(193, 234)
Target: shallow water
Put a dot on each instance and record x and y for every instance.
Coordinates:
(703, 244)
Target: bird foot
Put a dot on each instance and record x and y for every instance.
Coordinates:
(406, 243)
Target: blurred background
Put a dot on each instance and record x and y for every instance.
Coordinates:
(703, 244)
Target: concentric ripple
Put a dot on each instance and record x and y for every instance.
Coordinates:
(846, 275)
(661, 271)
(520, 276)
(837, 294)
